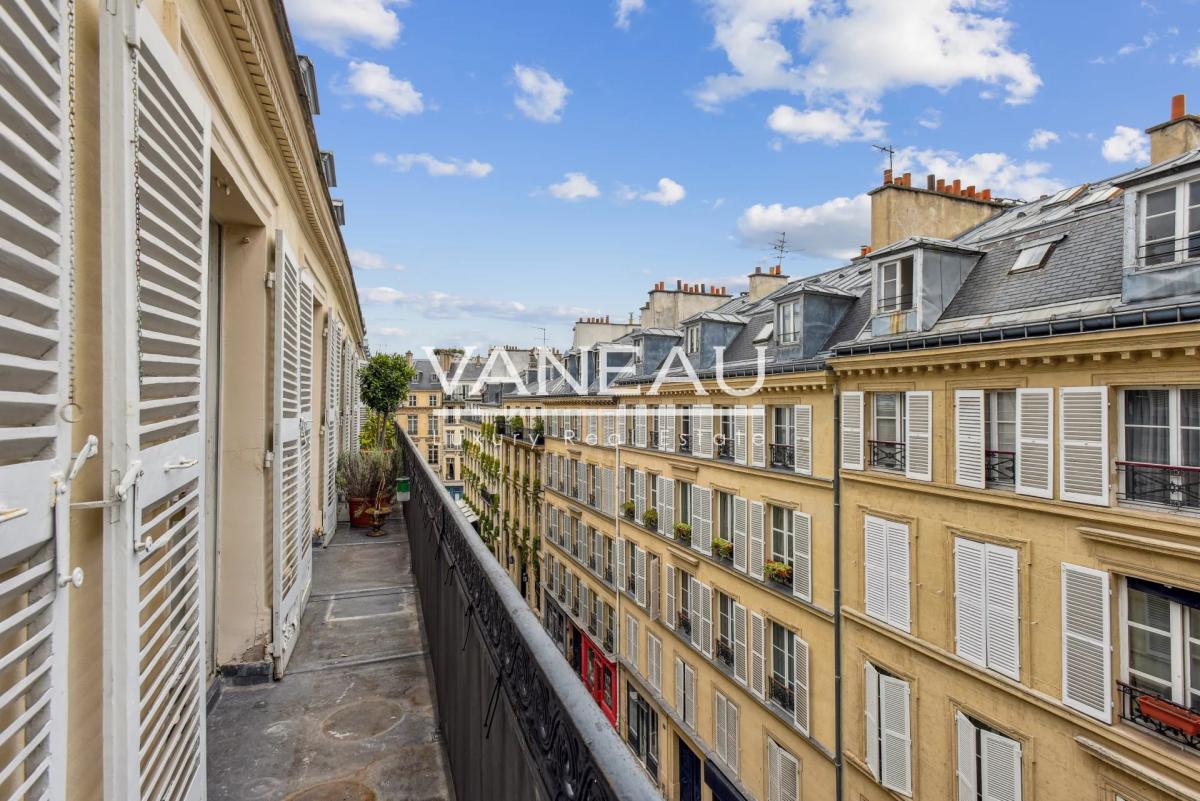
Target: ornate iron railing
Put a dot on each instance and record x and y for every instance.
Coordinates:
(1169, 485)
(683, 622)
(725, 448)
(1000, 467)
(725, 650)
(783, 456)
(684, 445)
(1157, 713)
(782, 693)
(887, 455)
(485, 642)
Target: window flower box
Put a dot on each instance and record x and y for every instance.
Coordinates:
(723, 549)
(778, 573)
(683, 533)
(1170, 715)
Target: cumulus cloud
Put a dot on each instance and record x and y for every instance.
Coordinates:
(833, 229)
(334, 26)
(1192, 58)
(540, 96)
(931, 119)
(447, 306)
(668, 193)
(999, 172)
(824, 125)
(626, 9)
(366, 260)
(1042, 139)
(1126, 145)
(574, 186)
(383, 92)
(404, 162)
(389, 331)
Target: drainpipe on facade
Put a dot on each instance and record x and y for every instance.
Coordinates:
(837, 589)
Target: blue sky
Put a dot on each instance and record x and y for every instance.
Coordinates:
(514, 165)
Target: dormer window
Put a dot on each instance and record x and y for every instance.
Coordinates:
(895, 285)
(692, 335)
(1170, 225)
(787, 322)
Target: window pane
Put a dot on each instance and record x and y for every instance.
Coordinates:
(1150, 610)
(1160, 202)
(1147, 407)
(1189, 407)
(1160, 227)
(1150, 654)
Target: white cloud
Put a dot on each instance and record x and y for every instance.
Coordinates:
(668, 193)
(1126, 144)
(436, 167)
(384, 92)
(446, 306)
(833, 229)
(848, 55)
(366, 260)
(824, 125)
(540, 96)
(626, 9)
(1192, 58)
(390, 331)
(574, 186)
(335, 25)
(1129, 49)
(931, 119)
(1005, 176)
(1042, 139)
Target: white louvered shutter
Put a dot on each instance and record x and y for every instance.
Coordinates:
(720, 725)
(740, 654)
(1000, 759)
(639, 426)
(639, 579)
(969, 463)
(918, 435)
(666, 506)
(36, 315)
(702, 519)
(654, 661)
(740, 522)
(969, 591)
(622, 585)
(695, 614)
(666, 428)
(670, 619)
(639, 496)
(1035, 431)
(758, 658)
(785, 777)
(802, 436)
(800, 703)
(689, 683)
(610, 490)
(758, 436)
(1003, 611)
(895, 764)
(702, 431)
(679, 686)
(757, 543)
(966, 763)
(1086, 662)
(898, 576)
(155, 224)
(875, 586)
(871, 712)
(593, 434)
(741, 435)
(852, 430)
(732, 736)
(1083, 449)
(802, 555)
(329, 438)
(706, 604)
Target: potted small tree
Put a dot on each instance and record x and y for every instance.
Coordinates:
(723, 549)
(683, 533)
(383, 384)
(650, 519)
(366, 479)
(628, 509)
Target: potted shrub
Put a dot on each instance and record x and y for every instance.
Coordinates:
(683, 533)
(628, 509)
(383, 384)
(367, 479)
(723, 549)
(778, 572)
(517, 423)
(650, 519)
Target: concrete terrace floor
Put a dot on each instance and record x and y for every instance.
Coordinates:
(354, 717)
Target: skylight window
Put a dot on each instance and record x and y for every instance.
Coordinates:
(1032, 257)
(764, 334)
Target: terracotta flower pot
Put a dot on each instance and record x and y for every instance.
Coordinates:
(360, 509)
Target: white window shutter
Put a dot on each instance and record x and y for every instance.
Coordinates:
(740, 654)
(639, 426)
(740, 521)
(702, 431)
(871, 713)
(695, 613)
(895, 764)
(966, 764)
(666, 429)
(772, 777)
(1035, 433)
(802, 435)
(666, 506)
(732, 736)
(720, 730)
(758, 436)
(607, 430)
(801, 701)
(970, 623)
(670, 618)
(787, 776)
(852, 430)
(741, 432)
(918, 435)
(639, 496)
(969, 463)
(706, 603)
(654, 660)
(640, 576)
(898, 576)
(679, 686)
(1086, 659)
(1000, 758)
(1083, 449)
(802, 555)
(702, 519)
(758, 658)
(329, 432)
(1003, 611)
(757, 544)
(622, 585)
(875, 554)
(689, 677)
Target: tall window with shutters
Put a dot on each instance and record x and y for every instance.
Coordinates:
(1161, 642)
(887, 447)
(987, 763)
(1086, 665)
(888, 729)
(725, 730)
(783, 774)
(886, 579)
(685, 693)
(986, 603)
(1083, 445)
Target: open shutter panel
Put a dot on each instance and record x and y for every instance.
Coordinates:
(689, 677)
(639, 496)
(593, 434)
(1083, 451)
(1000, 758)
(758, 436)
(758, 659)
(695, 613)
(969, 589)
(740, 654)
(640, 576)
(666, 506)
(852, 430)
(802, 416)
(1087, 680)
(666, 429)
(740, 521)
(155, 225)
(620, 577)
(969, 465)
(741, 432)
(731, 735)
(787, 776)
(898, 576)
(702, 431)
(800, 702)
(757, 544)
(639, 426)
(918, 435)
(875, 570)
(895, 765)
(1035, 427)
(871, 713)
(329, 440)
(670, 619)
(706, 603)
(654, 660)
(679, 688)
(720, 725)
(966, 764)
(35, 321)
(802, 555)
(702, 513)
(1003, 612)
(772, 778)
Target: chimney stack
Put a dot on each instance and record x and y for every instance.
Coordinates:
(940, 209)
(764, 283)
(1177, 135)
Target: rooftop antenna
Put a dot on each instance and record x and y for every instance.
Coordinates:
(543, 330)
(891, 151)
(781, 248)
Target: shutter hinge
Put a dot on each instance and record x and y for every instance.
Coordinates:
(270, 281)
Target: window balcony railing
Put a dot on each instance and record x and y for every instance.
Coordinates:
(1168, 251)
(608, 573)
(725, 651)
(608, 641)
(783, 456)
(782, 693)
(887, 455)
(725, 449)
(1168, 485)
(683, 622)
(1000, 467)
(896, 303)
(1158, 714)
(685, 442)
(631, 585)
(652, 439)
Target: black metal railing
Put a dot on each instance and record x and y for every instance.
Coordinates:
(684, 445)
(1155, 712)
(725, 449)
(1000, 467)
(652, 439)
(543, 732)
(725, 650)
(683, 622)
(898, 303)
(887, 455)
(782, 693)
(1169, 485)
(608, 641)
(783, 456)
(1168, 251)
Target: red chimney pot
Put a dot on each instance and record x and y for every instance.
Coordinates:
(887, 177)
(956, 187)
(1178, 106)
(986, 194)
(971, 191)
